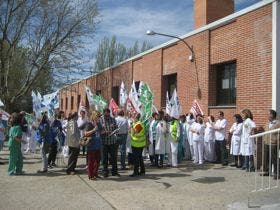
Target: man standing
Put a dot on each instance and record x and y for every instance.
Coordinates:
(109, 141)
(82, 122)
(122, 136)
(270, 142)
(138, 142)
(220, 136)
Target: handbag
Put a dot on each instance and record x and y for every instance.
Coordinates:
(84, 141)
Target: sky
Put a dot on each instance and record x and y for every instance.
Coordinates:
(129, 20)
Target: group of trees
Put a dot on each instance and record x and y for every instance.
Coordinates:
(110, 52)
(41, 42)
(38, 38)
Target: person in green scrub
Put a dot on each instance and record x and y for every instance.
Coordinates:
(15, 140)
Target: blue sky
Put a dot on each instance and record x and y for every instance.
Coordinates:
(129, 20)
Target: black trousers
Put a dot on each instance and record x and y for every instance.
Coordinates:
(138, 160)
(273, 158)
(112, 150)
(73, 157)
(52, 154)
(221, 151)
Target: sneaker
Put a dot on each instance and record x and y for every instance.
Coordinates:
(50, 166)
(116, 174)
(53, 165)
(42, 171)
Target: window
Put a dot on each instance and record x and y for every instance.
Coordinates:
(137, 85)
(226, 84)
(72, 102)
(78, 101)
(115, 94)
(61, 103)
(169, 84)
(66, 103)
(98, 92)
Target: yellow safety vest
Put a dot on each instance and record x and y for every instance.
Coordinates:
(138, 139)
(174, 126)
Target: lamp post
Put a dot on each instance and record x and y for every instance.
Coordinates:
(191, 57)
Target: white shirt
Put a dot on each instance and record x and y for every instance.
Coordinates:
(271, 123)
(209, 133)
(220, 135)
(199, 131)
(122, 125)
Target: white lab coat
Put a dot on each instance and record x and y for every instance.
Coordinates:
(190, 135)
(209, 143)
(198, 142)
(236, 130)
(247, 146)
(151, 146)
(161, 130)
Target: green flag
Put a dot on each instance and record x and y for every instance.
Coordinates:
(146, 99)
(99, 103)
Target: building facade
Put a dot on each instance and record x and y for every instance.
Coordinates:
(236, 64)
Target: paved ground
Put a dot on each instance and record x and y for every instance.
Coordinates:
(187, 187)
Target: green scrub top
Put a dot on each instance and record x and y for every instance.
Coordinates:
(15, 131)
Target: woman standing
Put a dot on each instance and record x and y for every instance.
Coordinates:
(198, 129)
(92, 130)
(236, 131)
(247, 144)
(15, 140)
(209, 140)
(160, 144)
(72, 141)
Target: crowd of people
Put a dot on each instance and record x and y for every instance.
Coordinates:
(167, 141)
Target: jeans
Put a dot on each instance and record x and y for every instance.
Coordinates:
(221, 151)
(138, 160)
(249, 163)
(44, 151)
(72, 161)
(53, 153)
(122, 142)
(161, 157)
(111, 149)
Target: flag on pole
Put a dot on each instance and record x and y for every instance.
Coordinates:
(133, 96)
(175, 110)
(123, 95)
(167, 106)
(1, 103)
(113, 106)
(89, 96)
(129, 107)
(146, 99)
(196, 109)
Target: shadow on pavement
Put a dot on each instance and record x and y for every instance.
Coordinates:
(209, 180)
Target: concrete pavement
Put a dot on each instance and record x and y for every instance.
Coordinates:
(187, 187)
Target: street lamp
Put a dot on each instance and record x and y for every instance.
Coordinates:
(191, 57)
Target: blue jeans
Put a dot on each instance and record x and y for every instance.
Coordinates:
(122, 142)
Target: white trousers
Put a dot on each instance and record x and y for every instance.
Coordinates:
(209, 151)
(172, 156)
(198, 151)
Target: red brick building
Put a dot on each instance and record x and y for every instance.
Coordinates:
(236, 65)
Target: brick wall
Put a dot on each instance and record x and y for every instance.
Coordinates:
(247, 40)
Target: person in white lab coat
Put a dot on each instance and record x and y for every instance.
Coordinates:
(174, 130)
(209, 140)
(198, 129)
(247, 144)
(190, 121)
(220, 139)
(236, 131)
(184, 135)
(152, 138)
(160, 143)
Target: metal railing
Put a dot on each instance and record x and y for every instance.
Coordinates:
(259, 182)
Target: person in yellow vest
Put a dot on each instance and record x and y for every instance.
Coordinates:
(174, 130)
(138, 142)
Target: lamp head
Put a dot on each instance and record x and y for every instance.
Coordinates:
(150, 32)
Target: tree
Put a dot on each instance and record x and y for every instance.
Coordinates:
(110, 52)
(49, 31)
